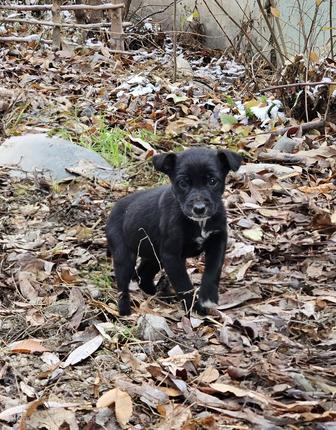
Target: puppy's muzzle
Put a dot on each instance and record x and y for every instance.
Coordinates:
(199, 210)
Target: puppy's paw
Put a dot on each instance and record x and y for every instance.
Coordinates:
(208, 298)
(208, 303)
(124, 306)
(165, 290)
(148, 288)
(201, 310)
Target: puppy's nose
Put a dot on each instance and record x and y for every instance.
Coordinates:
(199, 208)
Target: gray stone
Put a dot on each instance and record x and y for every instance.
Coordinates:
(57, 158)
(285, 144)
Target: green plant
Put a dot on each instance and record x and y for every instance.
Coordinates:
(229, 101)
(249, 113)
(112, 143)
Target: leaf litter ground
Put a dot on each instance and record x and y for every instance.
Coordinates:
(265, 359)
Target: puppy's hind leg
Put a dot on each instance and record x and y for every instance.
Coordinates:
(146, 273)
(124, 262)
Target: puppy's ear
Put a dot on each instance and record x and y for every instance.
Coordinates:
(165, 163)
(229, 159)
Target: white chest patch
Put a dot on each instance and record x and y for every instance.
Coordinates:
(204, 233)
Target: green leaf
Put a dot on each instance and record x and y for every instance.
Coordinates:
(228, 119)
(194, 16)
(229, 101)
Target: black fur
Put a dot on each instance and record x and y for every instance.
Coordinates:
(168, 224)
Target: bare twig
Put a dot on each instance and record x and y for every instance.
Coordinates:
(305, 89)
(221, 27)
(331, 28)
(304, 127)
(302, 22)
(312, 27)
(258, 32)
(34, 7)
(277, 21)
(157, 12)
(273, 35)
(175, 43)
(61, 24)
(241, 28)
(27, 39)
(296, 84)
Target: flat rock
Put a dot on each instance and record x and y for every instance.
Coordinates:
(54, 157)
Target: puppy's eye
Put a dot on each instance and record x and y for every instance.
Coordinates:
(212, 181)
(183, 183)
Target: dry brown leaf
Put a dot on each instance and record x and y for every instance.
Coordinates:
(26, 287)
(28, 346)
(175, 416)
(240, 392)
(53, 419)
(208, 375)
(123, 404)
(323, 188)
(237, 296)
(171, 392)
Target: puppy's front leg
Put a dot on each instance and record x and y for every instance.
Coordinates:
(175, 268)
(215, 248)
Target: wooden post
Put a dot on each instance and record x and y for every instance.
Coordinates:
(117, 41)
(56, 17)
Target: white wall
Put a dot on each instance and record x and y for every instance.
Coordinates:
(289, 19)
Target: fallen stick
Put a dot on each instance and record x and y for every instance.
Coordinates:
(51, 24)
(104, 6)
(281, 157)
(304, 127)
(297, 84)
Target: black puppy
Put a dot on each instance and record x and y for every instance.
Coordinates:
(165, 225)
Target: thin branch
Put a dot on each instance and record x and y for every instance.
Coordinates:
(241, 28)
(305, 89)
(302, 22)
(66, 7)
(27, 39)
(277, 21)
(63, 24)
(156, 12)
(312, 26)
(331, 28)
(271, 30)
(297, 84)
(221, 27)
(174, 43)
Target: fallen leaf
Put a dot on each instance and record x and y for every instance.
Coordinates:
(84, 351)
(175, 416)
(123, 404)
(208, 375)
(236, 296)
(28, 346)
(255, 234)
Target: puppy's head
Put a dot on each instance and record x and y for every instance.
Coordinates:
(198, 178)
